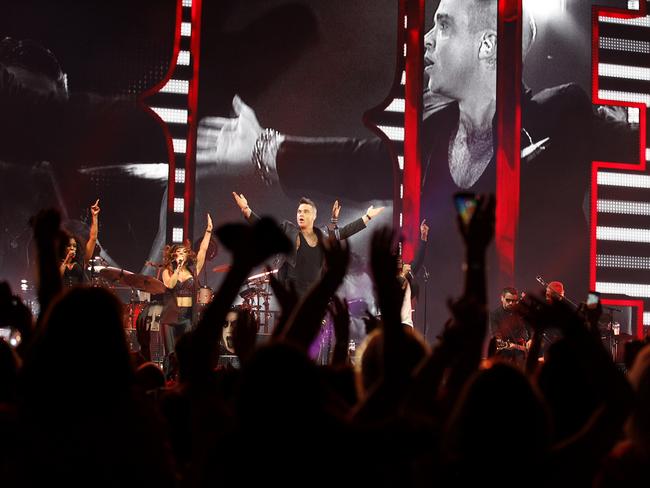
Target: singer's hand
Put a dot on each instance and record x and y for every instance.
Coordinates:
(424, 231)
(336, 209)
(94, 209)
(240, 200)
(372, 212)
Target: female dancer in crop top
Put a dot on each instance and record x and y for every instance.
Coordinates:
(180, 278)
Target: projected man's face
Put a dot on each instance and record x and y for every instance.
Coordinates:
(451, 48)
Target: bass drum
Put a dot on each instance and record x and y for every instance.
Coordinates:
(150, 333)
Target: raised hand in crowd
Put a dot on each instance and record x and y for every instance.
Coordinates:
(250, 245)
(245, 334)
(287, 298)
(47, 234)
(341, 319)
(469, 313)
(477, 236)
(371, 322)
(384, 397)
(390, 295)
(16, 315)
(587, 396)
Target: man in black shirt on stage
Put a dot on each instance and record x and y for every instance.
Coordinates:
(302, 266)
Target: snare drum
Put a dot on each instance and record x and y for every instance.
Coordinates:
(205, 295)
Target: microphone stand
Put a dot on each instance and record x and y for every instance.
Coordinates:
(93, 275)
(426, 281)
(563, 298)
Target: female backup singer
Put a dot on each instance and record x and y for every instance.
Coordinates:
(180, 278)
(73, 265)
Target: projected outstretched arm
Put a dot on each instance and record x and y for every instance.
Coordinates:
(354, 169)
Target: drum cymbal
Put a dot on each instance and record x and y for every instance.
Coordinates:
(113, 274)
(146, 283)
(132, 280)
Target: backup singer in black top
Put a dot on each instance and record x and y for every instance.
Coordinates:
(73, 265)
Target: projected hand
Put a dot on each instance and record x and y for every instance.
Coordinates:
(242, 203)
(372, 212)
(228, 141)
(336, 210)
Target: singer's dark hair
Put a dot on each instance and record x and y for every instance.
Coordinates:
(170, 250)
(81, 248)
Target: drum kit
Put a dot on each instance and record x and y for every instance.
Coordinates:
(256, 296)
(141, 313)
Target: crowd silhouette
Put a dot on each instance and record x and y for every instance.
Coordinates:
(78, 409)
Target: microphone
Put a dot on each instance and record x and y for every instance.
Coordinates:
(530, 152)
(541, 281)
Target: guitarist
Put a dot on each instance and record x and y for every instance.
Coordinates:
(509, 335)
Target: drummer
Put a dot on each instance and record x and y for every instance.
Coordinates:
(75, 256)
(180, 276)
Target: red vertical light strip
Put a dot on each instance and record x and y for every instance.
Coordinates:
(508, 122)
(155, 89)
(192, 109)
(412, 126)
(371, 116)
